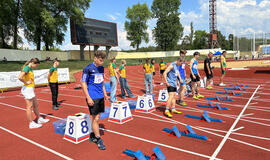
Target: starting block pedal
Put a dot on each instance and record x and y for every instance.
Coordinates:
(188, 133)
(205, 117)
(157, 155)
(210, 103)
(217, 98)
(176, 131)
(218, 106)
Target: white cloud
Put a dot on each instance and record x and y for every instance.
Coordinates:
(112, 17)
(237, 16)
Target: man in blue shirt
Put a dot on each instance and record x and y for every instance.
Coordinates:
(94, 90)
(195, 76)
(182, 72)
(170, 76)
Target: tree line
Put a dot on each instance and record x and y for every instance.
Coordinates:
(168, 31)
(42, 21)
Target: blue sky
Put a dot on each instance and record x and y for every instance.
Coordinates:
(234, 16)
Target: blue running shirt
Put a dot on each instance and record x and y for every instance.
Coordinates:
(194, 67)
(94, 77)
(172, 75)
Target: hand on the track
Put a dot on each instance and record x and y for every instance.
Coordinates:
(90, 101)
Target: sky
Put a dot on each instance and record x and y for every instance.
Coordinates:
(238, 17)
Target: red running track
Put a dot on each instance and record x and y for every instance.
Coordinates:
(251, 141)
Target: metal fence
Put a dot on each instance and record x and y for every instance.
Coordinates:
(254, 45)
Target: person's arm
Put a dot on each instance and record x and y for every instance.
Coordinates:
(165, 74)
(104, 92)
(207, 66)
(222, 67)
(84, 80)
(22, 74)
(190, 67)
(178, 74)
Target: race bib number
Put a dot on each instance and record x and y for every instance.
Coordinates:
(183, 66)
(195, 66)
(98, 78)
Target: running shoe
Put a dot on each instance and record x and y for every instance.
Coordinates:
(200, 96)
(175, 111)
(92, 138)
(34, 125)
(100, 144)
(195, 97)
(42, 120)
(168, 114)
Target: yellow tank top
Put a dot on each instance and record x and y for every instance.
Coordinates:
(147, 68)
(122, 70)
(162, 65)
(29, 76)
(153, 68)
(112, 66)
(54, 76)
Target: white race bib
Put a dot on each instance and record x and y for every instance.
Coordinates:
(195, 66)
(183, 66)
(98, 78)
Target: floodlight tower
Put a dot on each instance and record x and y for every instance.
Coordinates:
(213, 23)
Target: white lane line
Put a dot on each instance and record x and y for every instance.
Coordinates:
(156, 143)
(249, 114)
(35, 143)
(237, 129)
(232, 127)
(241, 134)
(204, 130)
(130, 136)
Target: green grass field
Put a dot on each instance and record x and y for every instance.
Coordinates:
(77, 65)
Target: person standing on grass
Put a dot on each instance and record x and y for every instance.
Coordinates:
(195, 76)
(53, 83)
(162, 67)
(27, 78)
(123, 81)
(223, 67)
(170, 75)
(153, 69)
(208, 70)
(94, 90)
(113, 79)
(182, 72)
(148, 70)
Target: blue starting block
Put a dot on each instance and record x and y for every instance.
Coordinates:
(218, 99)
(232, 92)
(188, 133)
(236, 88)
(157, 155)
(176, 131)
(205, 117)
(239, 85)
(212, 106)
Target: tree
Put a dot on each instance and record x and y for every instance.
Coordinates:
(46, 21)
(136, 27)
(168, 29)
(191, 35)
(201, 39)
(231, 37)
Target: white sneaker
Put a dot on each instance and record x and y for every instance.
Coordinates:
(161, 83)
(42, 120)
(34, 125)
(222, 84)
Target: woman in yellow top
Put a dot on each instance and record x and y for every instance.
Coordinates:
(113, 79)
(53, 82)
(153, 69)
(27, 78)
(223, 67)
(148, 70)
(123, 81)
(162, 68)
